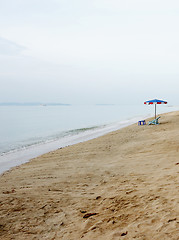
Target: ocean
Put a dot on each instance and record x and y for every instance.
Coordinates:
(29, 131)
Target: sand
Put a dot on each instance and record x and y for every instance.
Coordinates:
(124, 185)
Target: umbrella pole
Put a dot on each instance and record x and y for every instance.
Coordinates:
(155, 111)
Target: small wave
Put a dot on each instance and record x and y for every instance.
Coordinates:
(32, 142)
(79, 130)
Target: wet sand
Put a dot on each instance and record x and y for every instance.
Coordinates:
(124, 185)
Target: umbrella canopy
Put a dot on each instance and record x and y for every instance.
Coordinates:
(155, 102)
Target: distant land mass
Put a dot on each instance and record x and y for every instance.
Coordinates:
(32, 104)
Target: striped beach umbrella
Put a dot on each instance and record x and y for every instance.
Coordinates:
(155, 102)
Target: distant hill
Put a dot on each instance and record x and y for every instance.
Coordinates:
(33, 104)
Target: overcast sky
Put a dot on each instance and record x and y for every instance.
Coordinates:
(89, 51)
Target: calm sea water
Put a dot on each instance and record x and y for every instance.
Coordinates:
(25, 130)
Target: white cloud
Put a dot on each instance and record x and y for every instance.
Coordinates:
(10, 48)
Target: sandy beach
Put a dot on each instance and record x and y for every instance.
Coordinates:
(124, 185)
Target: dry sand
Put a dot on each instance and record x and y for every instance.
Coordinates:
(123, 185)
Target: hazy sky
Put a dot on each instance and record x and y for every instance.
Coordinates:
(89, 51)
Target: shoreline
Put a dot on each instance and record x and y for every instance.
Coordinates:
(27, 152)
(123, 185)
(18, 157)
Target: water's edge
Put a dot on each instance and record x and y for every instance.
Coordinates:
(16, 158)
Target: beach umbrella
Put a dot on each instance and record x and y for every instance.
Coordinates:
(155, 102)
